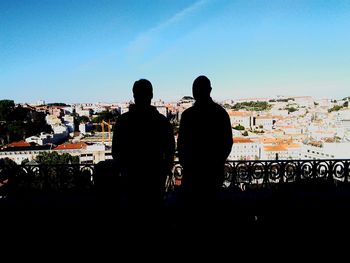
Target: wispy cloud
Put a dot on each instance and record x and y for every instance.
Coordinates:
(144, 40)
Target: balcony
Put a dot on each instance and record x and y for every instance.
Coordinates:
(256, 195)
(253, 182)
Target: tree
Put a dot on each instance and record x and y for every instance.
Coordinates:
(6, 107)
(83, 119)
(57, 104)
(252, 106)
(239, 127)
(291, 109)
(227, 106)
(20, 122)
(8, 170)
(55, 158)
(26, 160)
(187, 98)
(106, 116)
(335, 108)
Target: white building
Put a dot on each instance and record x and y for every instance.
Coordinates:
(266, 122)
(245, 149)
(304, 101)
(82, 111)
(95, 153)
(19, 154)
(326, 151)
(281, 151)
(242, 118)
(69, 122)
(52, 120)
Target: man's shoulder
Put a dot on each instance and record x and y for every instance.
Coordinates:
(189, 110)
(219, 108)
(123, 117)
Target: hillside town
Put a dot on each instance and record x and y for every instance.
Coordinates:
(263, 128)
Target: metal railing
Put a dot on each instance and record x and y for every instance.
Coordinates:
(76, 177)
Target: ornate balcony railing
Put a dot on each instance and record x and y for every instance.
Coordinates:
(45, 178)
(238, 174)
(271, 172)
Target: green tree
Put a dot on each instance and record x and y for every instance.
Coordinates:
(83, 119)
(6, 108)
(57, 104)
(252, 106)
(291, 109)
(7, 171)
(239, 127)
(25, 161)
(55, 158)
(335, 108)
(106, 116)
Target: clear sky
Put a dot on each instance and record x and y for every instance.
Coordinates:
(91, 51)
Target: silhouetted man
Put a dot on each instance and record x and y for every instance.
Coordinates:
(204, 143)
(143, 145)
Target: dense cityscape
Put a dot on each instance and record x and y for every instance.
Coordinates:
(284, 128)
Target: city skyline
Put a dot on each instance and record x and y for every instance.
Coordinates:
(88, 51)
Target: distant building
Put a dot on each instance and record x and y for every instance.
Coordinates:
(281, 151)
(245, 149)
(95, 153)
(324, 150)
(243, 118)
(56, 111)
(82, 111)
(40, 102)
(20, 151)
(85, 127)
(162, 110)
(266, 122)
(69, 123)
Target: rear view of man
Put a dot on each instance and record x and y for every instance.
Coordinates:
(143, 145)
(204, 143)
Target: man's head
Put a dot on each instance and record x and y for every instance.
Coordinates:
(201, 88)
(143, 92)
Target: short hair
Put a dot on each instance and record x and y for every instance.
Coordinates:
(203, 82)
(201, 87)
(142, 87)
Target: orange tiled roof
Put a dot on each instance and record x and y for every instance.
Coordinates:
(294, 145)
(239, 113)
(71, 146)
(275, 148)
(241, 140)
(19, 144)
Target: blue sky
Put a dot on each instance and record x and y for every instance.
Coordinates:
(90, 51)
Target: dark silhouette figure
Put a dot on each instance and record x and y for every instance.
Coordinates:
(204, 143)
(143, 146)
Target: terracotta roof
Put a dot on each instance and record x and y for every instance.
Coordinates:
(239, 113)
(19, 144)
(264, 117)
(294, 145)
(241, 140)
(71, 146)
(275, 148)
(316, 143)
